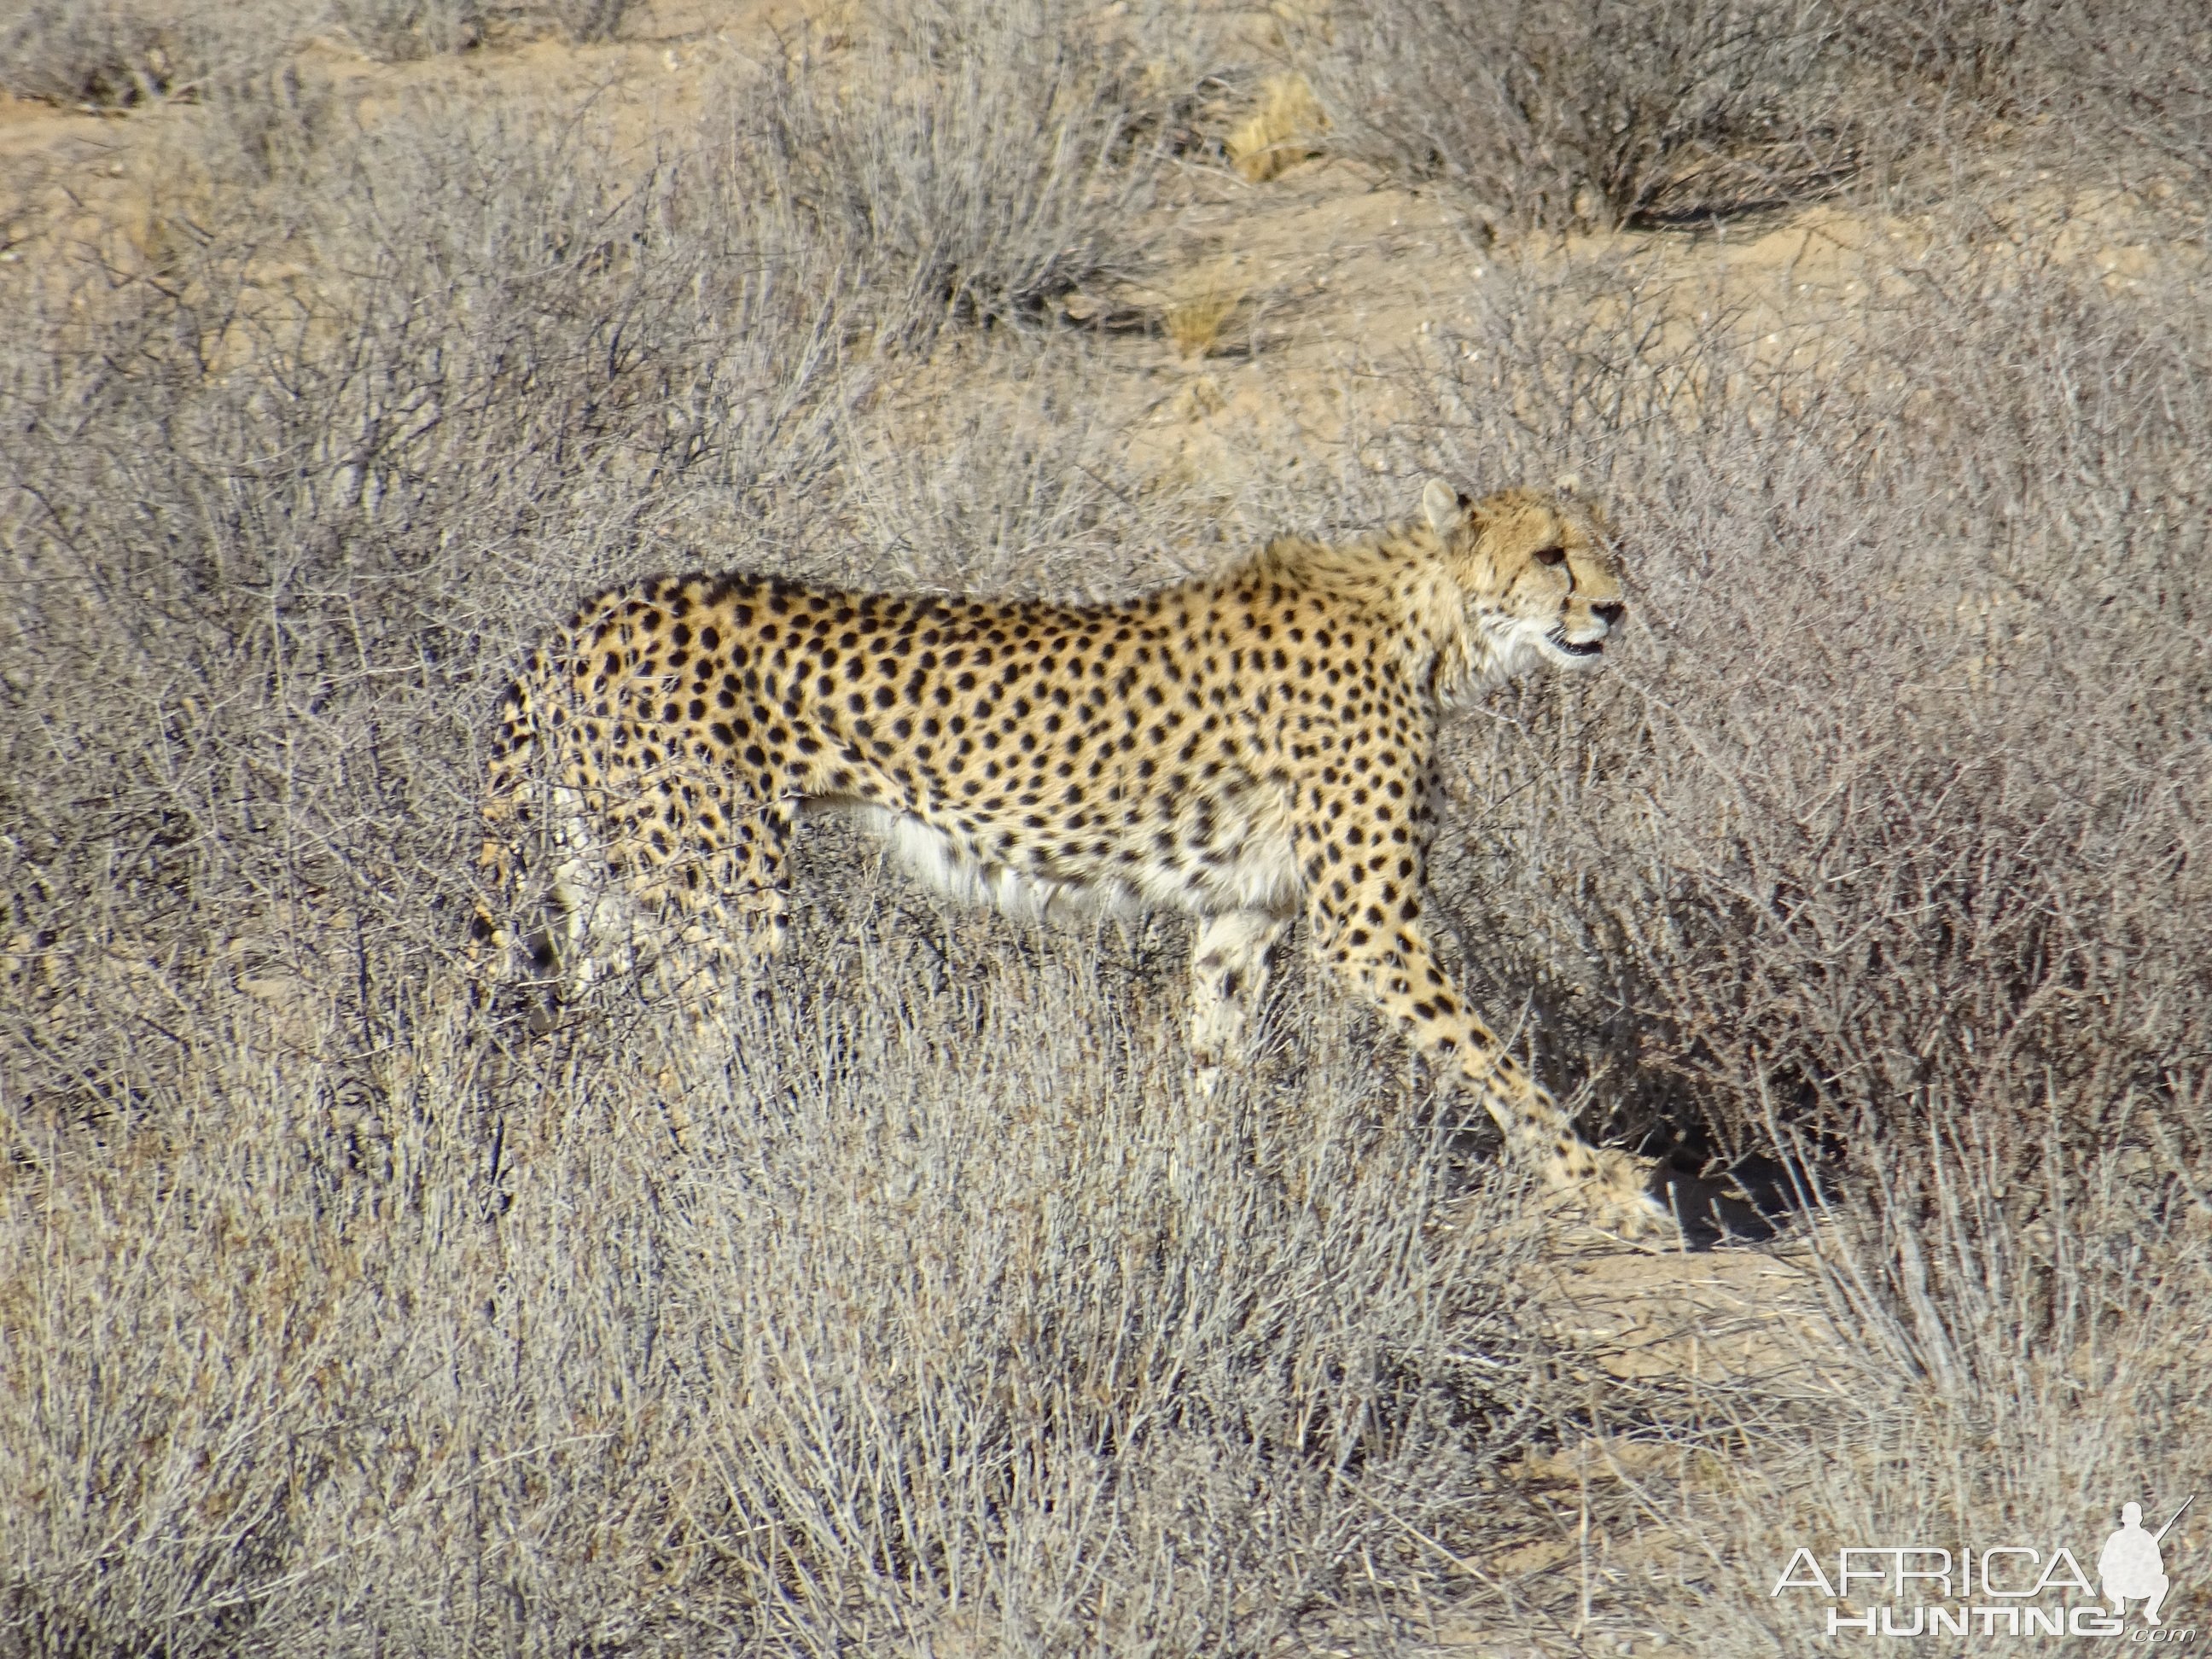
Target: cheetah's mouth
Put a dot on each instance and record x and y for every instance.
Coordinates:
(1559, 641)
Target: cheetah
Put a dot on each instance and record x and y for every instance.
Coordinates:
(1248, 748)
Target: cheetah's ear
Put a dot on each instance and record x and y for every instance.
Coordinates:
(1442, 505)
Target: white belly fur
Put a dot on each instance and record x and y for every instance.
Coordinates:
(1262, 875)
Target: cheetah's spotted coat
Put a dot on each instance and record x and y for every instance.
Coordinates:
(1247, 748)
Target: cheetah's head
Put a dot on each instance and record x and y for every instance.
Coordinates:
(1537, 575)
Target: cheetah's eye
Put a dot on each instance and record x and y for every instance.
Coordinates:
(1551, 555)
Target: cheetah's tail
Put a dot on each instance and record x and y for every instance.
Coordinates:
(503, 813)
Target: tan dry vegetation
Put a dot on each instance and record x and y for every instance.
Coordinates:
(336, 1317)
(1284, 128)
(1208, 298)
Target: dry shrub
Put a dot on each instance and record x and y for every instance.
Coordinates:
(398, 29)
(117, 54)
(945, 1330)
(1025, 491)
(265, 530)
(1574, 111)
(1875, 866)
(1881, 851)
(2046, 1425)
(978, 161)
(1615, 111)
(2091, 83)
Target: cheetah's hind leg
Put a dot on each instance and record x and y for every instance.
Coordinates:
(709, 888)
(582, 925)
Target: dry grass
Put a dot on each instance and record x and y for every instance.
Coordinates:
(1283, 129)
(389, 1354)
(336, 1317)
(1202, 304)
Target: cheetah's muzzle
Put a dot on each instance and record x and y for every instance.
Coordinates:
(1577, 647)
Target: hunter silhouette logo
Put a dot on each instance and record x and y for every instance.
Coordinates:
(1987, 1589)
(2129, 1567)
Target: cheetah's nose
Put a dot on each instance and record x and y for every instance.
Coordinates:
(1610, 614)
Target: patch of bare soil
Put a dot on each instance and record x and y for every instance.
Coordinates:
(1719, 1318)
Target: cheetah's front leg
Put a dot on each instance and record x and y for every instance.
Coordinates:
(1372, 936)
(1230, 966)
